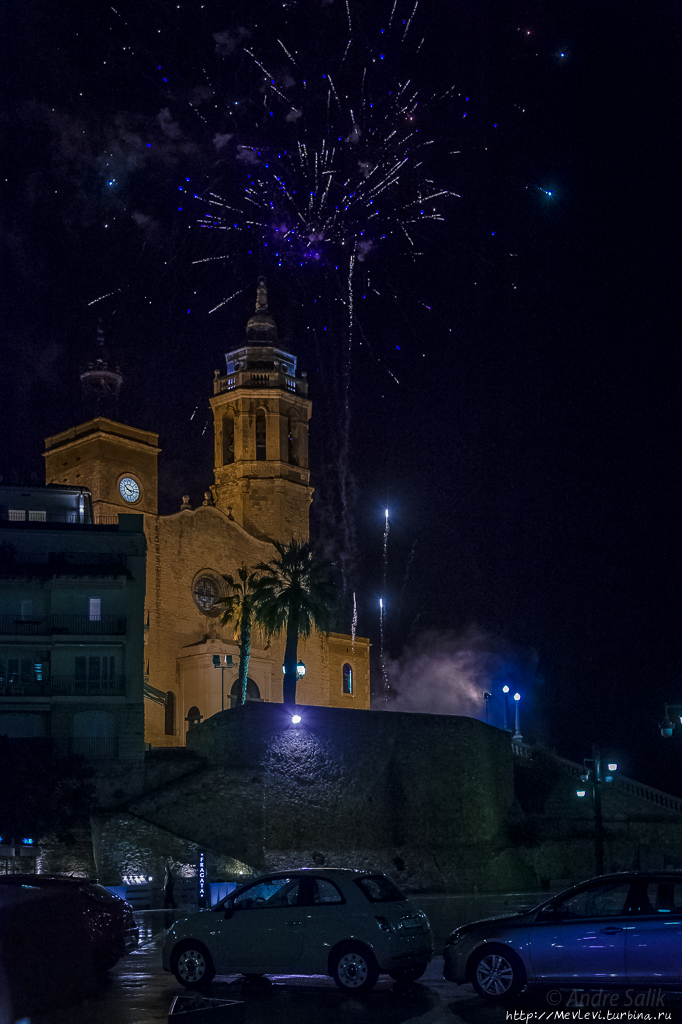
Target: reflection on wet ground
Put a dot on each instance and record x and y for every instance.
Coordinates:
(138, 991)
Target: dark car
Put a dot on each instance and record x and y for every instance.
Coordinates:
(616, 930)
(108, 920)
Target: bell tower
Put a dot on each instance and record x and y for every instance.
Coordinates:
(261, 411)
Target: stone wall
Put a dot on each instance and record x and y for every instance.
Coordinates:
(428, 798)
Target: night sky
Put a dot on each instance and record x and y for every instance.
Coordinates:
(511, 395)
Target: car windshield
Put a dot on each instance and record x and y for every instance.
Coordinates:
(379, 889)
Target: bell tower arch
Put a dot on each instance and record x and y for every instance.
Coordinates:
(261, 411)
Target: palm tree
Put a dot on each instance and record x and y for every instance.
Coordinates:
(296, 593)
(240, 608)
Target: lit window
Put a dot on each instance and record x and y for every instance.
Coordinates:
(16, 515)
(95, 609)
(347, 679)
(37, 517)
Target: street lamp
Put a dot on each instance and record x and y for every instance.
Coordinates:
(667, 726)
(596, 774)
(517, 737)
(300, 670)
(222, 665)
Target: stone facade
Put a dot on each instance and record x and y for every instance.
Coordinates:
(261, 494)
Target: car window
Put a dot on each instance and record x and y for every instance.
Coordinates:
(601, 901)
(379, 889)
(324, 891)
(100, 894)
(661, 897)
(270, 892)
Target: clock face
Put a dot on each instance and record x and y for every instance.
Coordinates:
(130, 491)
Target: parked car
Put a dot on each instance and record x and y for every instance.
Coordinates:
(109, 922)
(615, 930)
(352, 925)
(46, 958)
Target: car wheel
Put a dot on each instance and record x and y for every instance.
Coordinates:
(192, 965)
(404, 975)
(353, 968)
(497, 974)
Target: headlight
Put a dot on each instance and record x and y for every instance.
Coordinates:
(384, 924)
(454, 938)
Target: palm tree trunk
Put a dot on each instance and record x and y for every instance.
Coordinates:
(244, 654)
(290, 659)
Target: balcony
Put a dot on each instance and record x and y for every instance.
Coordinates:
(64, 686)
(62, 625)
(61, 563)
(260, 379)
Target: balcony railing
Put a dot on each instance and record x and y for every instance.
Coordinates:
(61, 563)
(46, 625)
(93, 746)
(63, 686)
(46, 516)
(18, 687)
(260, 379)
(77, 686)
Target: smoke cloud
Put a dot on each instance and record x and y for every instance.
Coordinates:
(448, 673)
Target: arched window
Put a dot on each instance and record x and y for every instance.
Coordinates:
(291, 442)
(252, 691)
(260, 436)
(194, 716)
(169, 709)
(348, 678)
(228, 439)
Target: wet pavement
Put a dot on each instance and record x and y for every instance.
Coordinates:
(138, 991)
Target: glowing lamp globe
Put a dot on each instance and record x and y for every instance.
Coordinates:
(295, 719)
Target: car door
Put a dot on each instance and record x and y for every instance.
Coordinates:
(324, 921)
(582, 937)
(264, 933)
(653, 946)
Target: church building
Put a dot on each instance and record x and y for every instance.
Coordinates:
(261, 494)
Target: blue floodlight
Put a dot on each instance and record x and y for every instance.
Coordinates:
(581, 792)
(295, 719)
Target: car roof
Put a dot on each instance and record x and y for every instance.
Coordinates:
(338, 872)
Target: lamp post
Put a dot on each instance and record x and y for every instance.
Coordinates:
(505, 691)
(217, 663)
(517, 737)
(667, 726)
(596, 774)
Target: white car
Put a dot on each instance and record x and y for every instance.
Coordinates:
(352, 925)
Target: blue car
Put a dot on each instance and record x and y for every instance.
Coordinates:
(615, 930)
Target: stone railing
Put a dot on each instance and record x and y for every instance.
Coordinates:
(620, 782)
(260, 379)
